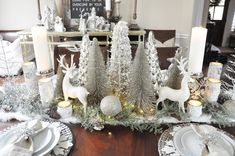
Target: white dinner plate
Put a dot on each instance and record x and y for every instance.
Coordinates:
(54, 140)
(41, 140)
(177, 140)
(188, 143)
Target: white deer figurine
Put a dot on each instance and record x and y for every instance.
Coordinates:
(179, 95)
(70, 91)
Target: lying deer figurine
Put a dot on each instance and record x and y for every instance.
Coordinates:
(179, 95)
(70, 91)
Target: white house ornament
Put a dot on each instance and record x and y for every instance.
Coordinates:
(110, 105)
(70, 91)
(59, 25)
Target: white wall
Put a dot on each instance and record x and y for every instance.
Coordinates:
(154, 14)
(165, 14)
(17, 14)
(162, 14)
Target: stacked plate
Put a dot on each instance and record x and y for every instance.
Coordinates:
(181, 140)
(47, 138)
(188, 143)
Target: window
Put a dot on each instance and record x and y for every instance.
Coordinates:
(233, 24)
(216, 9)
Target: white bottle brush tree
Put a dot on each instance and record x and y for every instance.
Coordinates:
(83, 60)
(120, 61)
(156, 75)
(141, 92)
(96, 74)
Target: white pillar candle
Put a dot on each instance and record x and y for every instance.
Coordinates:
(108, 5)
(194, 108)
(64, 109)
(41, 49)
(213, 89)
(215, 69)
(46, 91)
(197, 48)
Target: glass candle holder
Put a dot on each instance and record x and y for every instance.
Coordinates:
(46, 91)
(213, 89)
(194, 108)
(30, 77)
(64, 109)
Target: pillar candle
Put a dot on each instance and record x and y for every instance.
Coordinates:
(108, 5)
(41, 49)
(213, 89)
(215, 69)
(64, 108)
(194, 108)
(197, 48)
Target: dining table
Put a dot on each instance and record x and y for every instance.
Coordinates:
(114, 140)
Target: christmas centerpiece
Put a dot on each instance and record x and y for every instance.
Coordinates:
(126, 91)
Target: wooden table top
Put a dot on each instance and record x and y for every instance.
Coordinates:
(121, 141)
(114, 141)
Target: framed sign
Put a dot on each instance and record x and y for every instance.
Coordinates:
(77, 6)
(71, 10)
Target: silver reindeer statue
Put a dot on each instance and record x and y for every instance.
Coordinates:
(68, 90)
(179, 95)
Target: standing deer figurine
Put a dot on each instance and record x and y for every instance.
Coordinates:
(179, 95)
(70, 91)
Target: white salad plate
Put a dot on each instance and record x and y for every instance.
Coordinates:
(188, 143)
(52, 143)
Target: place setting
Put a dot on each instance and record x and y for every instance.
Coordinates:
(36, 137)
(196, 140)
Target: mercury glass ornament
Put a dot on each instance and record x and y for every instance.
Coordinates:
(110, 105)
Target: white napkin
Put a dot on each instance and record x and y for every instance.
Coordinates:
(21, 147)
(20, 143)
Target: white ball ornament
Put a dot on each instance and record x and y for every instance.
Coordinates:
(110, 105)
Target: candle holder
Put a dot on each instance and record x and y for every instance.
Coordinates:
(134, 25)
(194, 108)
(29, 70)
(45, 74)
(46, 91)
(64, 109)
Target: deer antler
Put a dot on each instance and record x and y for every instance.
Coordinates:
(62, 62)
(72, 64)
(182, 63)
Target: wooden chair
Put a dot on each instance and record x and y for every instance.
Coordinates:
(163, 36)
(64, 51)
